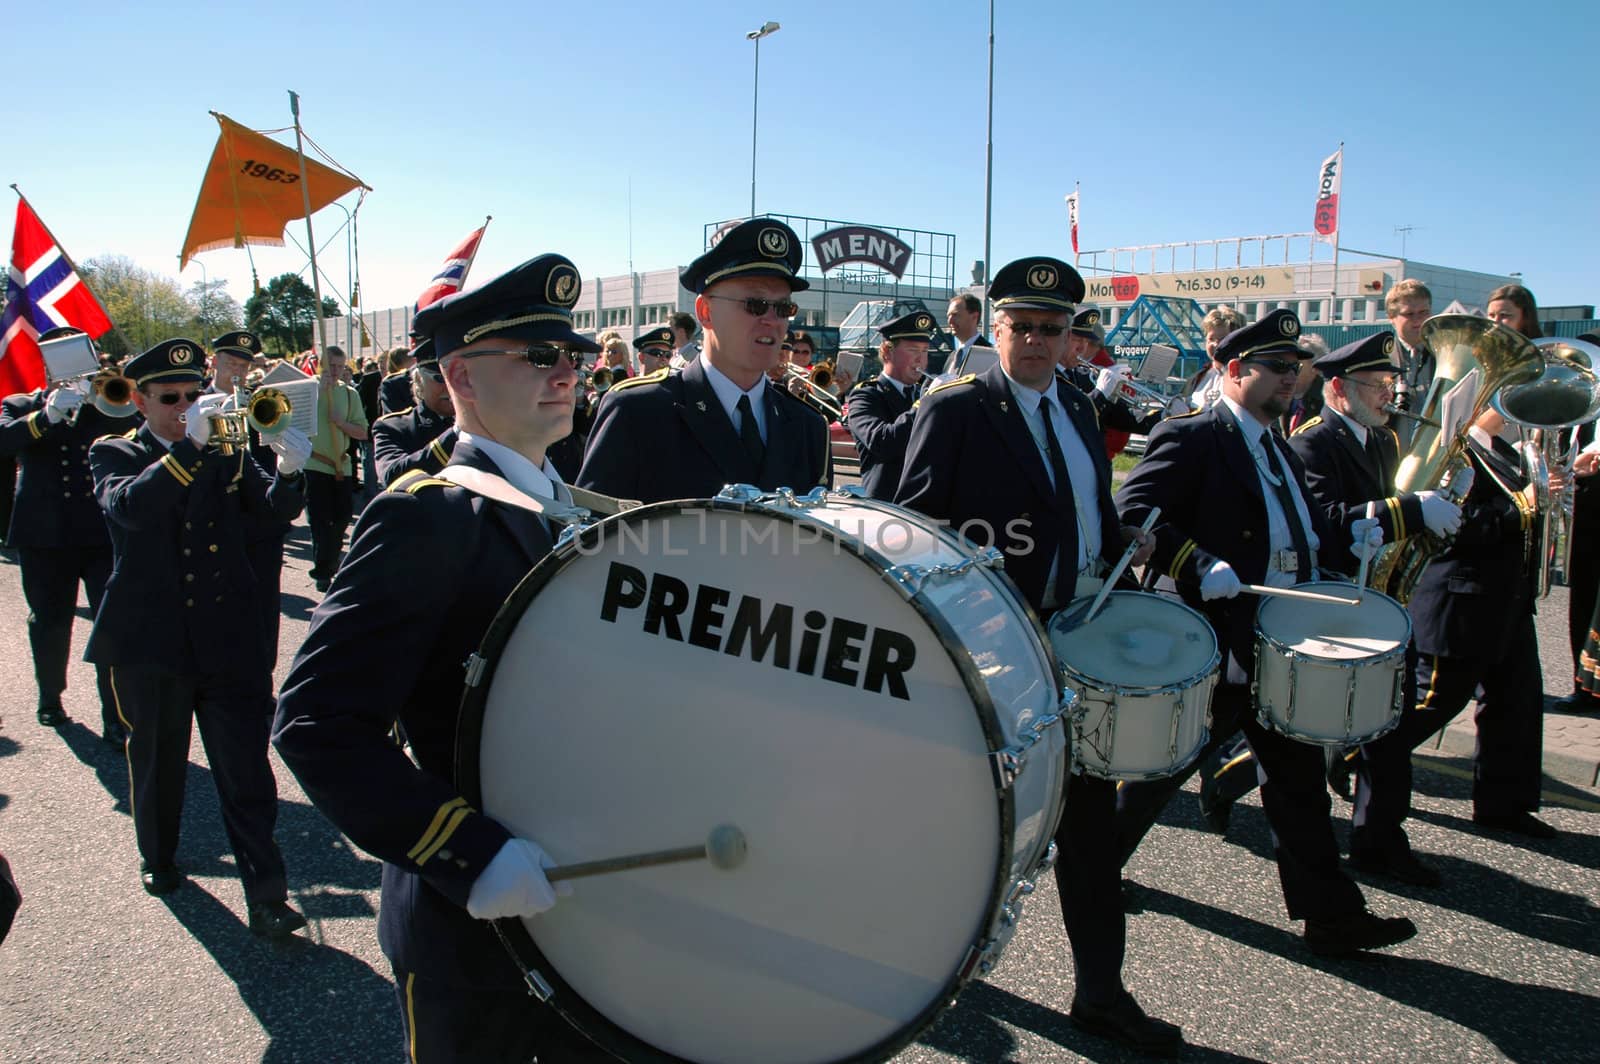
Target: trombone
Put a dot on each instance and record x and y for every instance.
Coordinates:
(811, 388)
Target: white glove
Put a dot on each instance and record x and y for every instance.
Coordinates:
(1220, 581)
(1442, 516)
(61, 404)
(514, 885)
(197, 425)
(1366, 536)
(292, 447)
(1110, 379)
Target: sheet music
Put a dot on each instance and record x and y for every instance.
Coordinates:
(303, 396)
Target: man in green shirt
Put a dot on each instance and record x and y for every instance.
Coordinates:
(340, 419)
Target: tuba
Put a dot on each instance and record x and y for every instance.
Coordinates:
(1566, 394)
(1475, 359)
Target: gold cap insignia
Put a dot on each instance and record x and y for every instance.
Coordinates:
(1288, 326)
(924, 321)
(1388, 344)
(563, 286)
(180, 356)
(247, 342)
(1092, 318)
(773, 243)
(1042, 277)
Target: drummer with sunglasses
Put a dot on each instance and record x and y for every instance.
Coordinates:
(382, 649)
(422, 435)
(1013, 458)
(719, 420)
(180, 623)
(1235, 509)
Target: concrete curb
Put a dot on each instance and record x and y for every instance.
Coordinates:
(1460, 739)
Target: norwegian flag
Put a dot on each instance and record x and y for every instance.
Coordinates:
(449, 280)
(43, 292)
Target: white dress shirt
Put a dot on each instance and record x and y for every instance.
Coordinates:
(1080, 470)
(542, 482)
(728, 394)
(1256, 437)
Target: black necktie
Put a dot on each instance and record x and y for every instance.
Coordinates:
(1297, 531)
(1066, 564)
(749, 434)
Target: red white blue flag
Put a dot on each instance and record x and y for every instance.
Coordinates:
(448, 281)
(43, 292)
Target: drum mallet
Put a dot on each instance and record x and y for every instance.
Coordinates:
(724, 847)
(1366, 556)
(1121, 567)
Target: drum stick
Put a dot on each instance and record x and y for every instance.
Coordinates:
(725, 848)
(1361, 574)
(1289, 592)
(1121, 567)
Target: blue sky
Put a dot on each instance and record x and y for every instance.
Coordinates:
(1472, 122)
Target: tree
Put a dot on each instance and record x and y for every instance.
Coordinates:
(283, 314)
(330, 308)
(145, 307)
(216, 312)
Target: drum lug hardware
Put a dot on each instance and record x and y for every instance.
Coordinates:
(850, 491)
(1047, 862)
(475, 666)
(739, 493)
(910, 578)
(1008, 762)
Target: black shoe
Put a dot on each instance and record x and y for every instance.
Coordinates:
(1403, 865)
(163, 879)
(1339, 778)
(322, 584)
(1577, 702)
(1517, 823)
(53, 716)
(115, 735)
(274, 919)
(1214, 811)
(1359, 931)
(1124, 1021)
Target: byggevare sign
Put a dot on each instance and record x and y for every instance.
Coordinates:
(1210, 285)
(860, 243)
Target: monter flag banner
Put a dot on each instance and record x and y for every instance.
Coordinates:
(251, 192)
(1326, 220)
(43, 292)
(1072, 218)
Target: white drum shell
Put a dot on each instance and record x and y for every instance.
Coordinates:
(884, 862)
(1328, 674)
(1137, 721)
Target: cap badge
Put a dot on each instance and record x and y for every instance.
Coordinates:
(1388, 345)
(562, 288)
(180, 356)
(1092, 318)
(773, 243)
(1288, 326)
(247, 342)
(924, 321)
(1042, 277)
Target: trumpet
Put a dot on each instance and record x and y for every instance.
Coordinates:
(803, 386)
(109, 391)
(266, 410)
(1136, 396)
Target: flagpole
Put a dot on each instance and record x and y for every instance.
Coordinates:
(988, 180)
(1333, 306)
(1077, 208)
(62, 249)
(311, 240)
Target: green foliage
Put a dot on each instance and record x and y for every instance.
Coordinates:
(147, 307)
(283, 314)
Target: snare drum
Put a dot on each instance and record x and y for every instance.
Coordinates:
(1143, 670)
(869, 701)
(1331, 674)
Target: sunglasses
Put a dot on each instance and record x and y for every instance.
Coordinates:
(539, 356)
(1023, 328)
(1280, 366)
(757, 308)
(171, 398)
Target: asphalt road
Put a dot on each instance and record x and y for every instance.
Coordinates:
(1506, 967)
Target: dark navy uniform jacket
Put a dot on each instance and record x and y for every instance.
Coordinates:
(1344, 476)
(1471, 596)
(972, 463)
(182, 523)
(879, 416)
(394, 392)
(55, 504)
(382, 648)
(415, 438)
(666, 436)
(1198, 469)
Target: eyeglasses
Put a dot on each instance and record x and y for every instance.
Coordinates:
(539, 356)
(757, 308)
(433, 373)
(1382, 384)
(171, 398)
(1280, 366)
(1023, 328)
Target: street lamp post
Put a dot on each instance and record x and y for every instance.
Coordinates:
(205, 292)
(767, 29)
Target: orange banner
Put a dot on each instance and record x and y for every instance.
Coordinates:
(252, 190)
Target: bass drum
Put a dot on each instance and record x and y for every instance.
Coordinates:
(868, 700)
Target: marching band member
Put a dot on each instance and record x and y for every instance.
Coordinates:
(1102, 384)
(381, 650)
(1583, 577)
(58, 533)
(420, 436)
(1012, 458)
(394, 391)
(1235, 510)
(654, 350)
(1205, 387)
(179, 624)
(880, 411)
(719, 421)
(1408, 304)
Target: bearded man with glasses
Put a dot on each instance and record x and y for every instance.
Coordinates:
(684, 434)
(180, 626)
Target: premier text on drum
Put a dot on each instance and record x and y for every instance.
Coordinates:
(757, 629)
